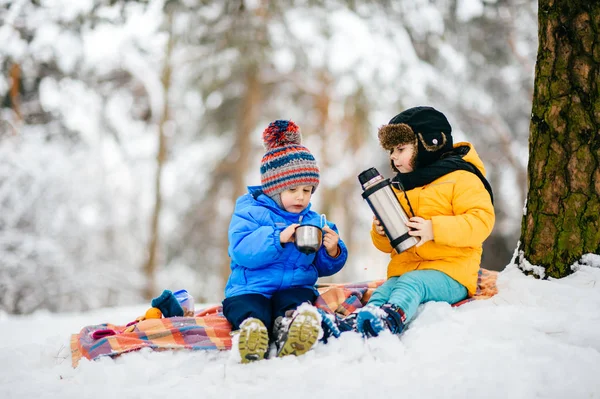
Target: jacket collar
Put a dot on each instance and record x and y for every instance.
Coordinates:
(267, 202)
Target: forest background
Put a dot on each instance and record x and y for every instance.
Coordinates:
(129, 128)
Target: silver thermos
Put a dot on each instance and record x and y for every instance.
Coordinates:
(387, 208)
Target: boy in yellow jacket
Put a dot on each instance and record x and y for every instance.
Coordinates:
(443, 187)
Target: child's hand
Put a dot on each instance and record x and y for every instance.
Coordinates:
(378, 227)
(287, 235)
(421, 228)
(330, 241)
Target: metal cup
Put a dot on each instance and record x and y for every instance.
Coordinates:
(308, 238)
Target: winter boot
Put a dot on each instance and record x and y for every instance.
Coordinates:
(297, 334)
(371, 320)
(253, 340)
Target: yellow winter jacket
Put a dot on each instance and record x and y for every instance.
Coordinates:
(462, 215)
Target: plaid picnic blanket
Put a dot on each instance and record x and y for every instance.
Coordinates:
(343, 299)
(209, 330)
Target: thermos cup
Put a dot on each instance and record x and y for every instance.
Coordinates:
(378, 193)
(308, 238)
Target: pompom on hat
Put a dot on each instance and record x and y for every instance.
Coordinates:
(287, 163)
(425, 127)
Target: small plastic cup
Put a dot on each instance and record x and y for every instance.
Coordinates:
(185, 300)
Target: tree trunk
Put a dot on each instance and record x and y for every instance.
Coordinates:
(161, 156)
(15, 88)
(562, 221)
(323, 130)
(238, 166)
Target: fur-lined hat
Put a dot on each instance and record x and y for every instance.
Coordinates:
(425, 127)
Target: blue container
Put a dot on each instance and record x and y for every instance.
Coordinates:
(185, 300)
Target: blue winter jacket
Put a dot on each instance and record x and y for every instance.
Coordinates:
(259, 262)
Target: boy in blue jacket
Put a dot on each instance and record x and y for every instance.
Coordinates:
(271, 286)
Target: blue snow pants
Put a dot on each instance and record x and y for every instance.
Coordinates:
(238, 308)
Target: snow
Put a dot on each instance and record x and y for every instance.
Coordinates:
(535, 338)
(92, 155)
(469, 9)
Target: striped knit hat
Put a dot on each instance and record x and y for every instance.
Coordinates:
(286, 164)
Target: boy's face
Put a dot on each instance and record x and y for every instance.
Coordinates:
(296, 199)
(403, 156)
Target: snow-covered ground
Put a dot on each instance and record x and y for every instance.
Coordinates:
(535, 339)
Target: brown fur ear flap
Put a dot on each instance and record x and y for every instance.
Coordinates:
(393, 135)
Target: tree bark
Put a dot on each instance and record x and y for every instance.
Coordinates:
(562, 220)
(15, 88)
(323, 129)
(238, 166)
(161, 156)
